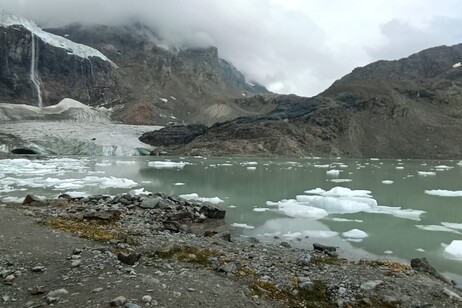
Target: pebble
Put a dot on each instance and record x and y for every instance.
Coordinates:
(371, 285)
(146, 299)
(57, 293)
(76, 263)
(38, 269)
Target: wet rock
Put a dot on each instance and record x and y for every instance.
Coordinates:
(211, 211)
(32, 200)
(284, 244)
(181, 215)
(129, 258)
(38, 269)
(146, 299)
(324, 248)
(226, 237)
(118, 301)
(422, 265)
(8, 280)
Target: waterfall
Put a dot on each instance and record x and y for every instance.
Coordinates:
(34, 77)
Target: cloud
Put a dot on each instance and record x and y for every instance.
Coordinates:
(291, 46)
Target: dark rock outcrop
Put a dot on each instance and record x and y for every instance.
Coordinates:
(389, 109)
(174, 135)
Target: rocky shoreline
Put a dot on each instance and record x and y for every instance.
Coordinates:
(161, 250)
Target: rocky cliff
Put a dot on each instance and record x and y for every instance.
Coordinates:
(410, 108)
(126, 67)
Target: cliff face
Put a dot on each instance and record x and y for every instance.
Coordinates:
(411, 108)
(126, 67)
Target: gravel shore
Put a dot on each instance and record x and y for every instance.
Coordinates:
(160, 250)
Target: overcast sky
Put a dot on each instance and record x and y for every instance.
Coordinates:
(290, 46)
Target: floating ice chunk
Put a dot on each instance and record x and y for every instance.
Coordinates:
(420, 250)
(316, 191)
(399, 167)
(454, 250)
(319, 233)
(251, 168)
(179, 184)
(397, 212)
(321, 166)
(452, 225)
(346, 220)
(232, 206)
(341, 180)
(387, 182)
(354, 239)
(333, 172)
(355, 233)
(166, 164)
(260, 209)
(346, 192)
(103, 164)
(126, 162)
(249, 163)
(388, 252)
(225, 165)
(374, 158)
(437, 228)
(12, 199)
(293, 208)
(426, 173)
(338, 204)
(443, 167)
(77, 194)
(194, 196)
(117, 183)
(291, 235)
(245, 226)
(165, 100)
(138, 192)
(459, 163)
(444, 193)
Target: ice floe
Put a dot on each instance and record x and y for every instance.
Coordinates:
(245, 226)
(437, 228)
(452, 225)
(166, 164)
(251, 168)
(387, 182)
(355, 233)
(179, 184)
(444, 193)
(426, 173)
(341, 180)
(338, 200)
(346, 219)
(261, 209)
(194, 196)
(454, 250)
(333, 172)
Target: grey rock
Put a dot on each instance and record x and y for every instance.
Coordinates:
(151, 203)
(324, 248)
(32, 200)
(452, 294)
(212, 211)
(230, 267)
(371, 285)
(118, 301)
(129, 258)
(132, 305)
(304, 260)
(284, 244)
(76, 263)
(57, 293)
(38, 269)
(173, 226)
(422, 265)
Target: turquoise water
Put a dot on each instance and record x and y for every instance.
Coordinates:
(245, 184)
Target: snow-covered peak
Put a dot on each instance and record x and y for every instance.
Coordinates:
(80, 50)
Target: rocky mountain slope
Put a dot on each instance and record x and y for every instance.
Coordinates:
(410, 108)
(127, 67)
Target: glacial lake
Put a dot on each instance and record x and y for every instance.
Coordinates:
(393, 209)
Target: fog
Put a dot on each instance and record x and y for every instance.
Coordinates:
(290, 46)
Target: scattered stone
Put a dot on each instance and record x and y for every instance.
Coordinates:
(32, 200)
(118, 301)
(211, 211)
(304, 260)
(146, 299)
(37, 290)
(76, 263)
(173, 226)
(284, 244)
(210, 233)
(103, 215)
(96, 290)
(38, 269)
(226, 237)
(132, 305)
(8, 280)
(129, 258)
(52, 300)
(151, 203)
(452, 294)
(230, 267)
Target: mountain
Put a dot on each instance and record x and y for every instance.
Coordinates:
(409, 108)
(128, 68)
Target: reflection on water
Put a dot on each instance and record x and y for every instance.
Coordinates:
(246, 185)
